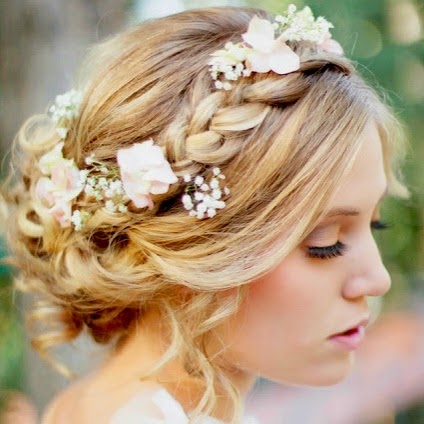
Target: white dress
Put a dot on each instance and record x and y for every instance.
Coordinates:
(157, 406)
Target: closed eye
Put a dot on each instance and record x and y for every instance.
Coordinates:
(327, 252)
(379, 225)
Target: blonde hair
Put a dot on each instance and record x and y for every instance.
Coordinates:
(283, 142)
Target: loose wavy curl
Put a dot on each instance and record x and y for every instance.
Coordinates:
(283, 142)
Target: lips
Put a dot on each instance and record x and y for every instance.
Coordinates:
(363, 323)
(351, 338)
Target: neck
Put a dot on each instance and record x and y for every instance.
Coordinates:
(142, 351)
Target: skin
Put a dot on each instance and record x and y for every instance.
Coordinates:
(282, 329)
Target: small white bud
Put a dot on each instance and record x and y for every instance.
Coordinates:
(201, 207)
(199, 196)
(122, 208)
(216, 193)
(211, 212)
(214, 183)
(63, 132)
(199, 180)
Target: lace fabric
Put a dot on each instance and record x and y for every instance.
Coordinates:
(159, 407)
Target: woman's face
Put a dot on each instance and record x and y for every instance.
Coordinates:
(283, 330)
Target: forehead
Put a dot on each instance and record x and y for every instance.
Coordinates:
(366, 182)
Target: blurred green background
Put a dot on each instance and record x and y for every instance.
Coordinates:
(42, 42)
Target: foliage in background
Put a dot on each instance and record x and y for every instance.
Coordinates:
(11, 336)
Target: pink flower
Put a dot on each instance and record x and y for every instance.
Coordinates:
(144, 171)
(268, 54)
(331, 46)
(58, 191)
(62, 212)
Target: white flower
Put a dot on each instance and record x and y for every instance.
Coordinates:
(187, 178)
(89, 159)
(122, 208)
(223, 85)
(214, 183)
(66, 106)
(201, 207)
(216, 193)
(49, 160)
(89, 190)
(79, 218)
(187, 202)
(144, 171)
(264, 47)
(63, 132)
(102, 183)
(199, 196)
(206, 202)
(211, 212)
(110, 206)
(199, 180)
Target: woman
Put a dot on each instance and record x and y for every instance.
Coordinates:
(203, 204)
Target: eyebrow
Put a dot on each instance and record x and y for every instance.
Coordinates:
(342, 212)
(350, 211)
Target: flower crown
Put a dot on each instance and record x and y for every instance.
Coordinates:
(264, 46)
(140, 171)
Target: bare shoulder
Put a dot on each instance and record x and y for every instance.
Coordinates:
(85, 402)
(62, 407)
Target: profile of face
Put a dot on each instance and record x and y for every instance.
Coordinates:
(284, 328)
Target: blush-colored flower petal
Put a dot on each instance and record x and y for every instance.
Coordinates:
(142, 201)
(260, 34)
(163, 174)
(62, 212)
(66, 177)
(283, 59)
(45, 191)
(144, 170)
(48, 161)
(258, 62)
(140, 156)
(331, 46)
(159, 187)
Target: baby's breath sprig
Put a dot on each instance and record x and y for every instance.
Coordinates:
(201, 198)
(65, 109)
(102, 182)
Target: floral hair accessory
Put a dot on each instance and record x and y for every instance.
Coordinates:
(141, 170)
(264, 47)
(64, 110)
(202, 199)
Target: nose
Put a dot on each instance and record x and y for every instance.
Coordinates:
(368, 275)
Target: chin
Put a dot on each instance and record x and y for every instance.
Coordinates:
(322, 375)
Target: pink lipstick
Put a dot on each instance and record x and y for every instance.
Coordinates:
(352, 338)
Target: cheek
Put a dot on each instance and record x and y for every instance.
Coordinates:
(275, 319)
(280, 330)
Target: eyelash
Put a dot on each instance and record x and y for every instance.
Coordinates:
(339, 248)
